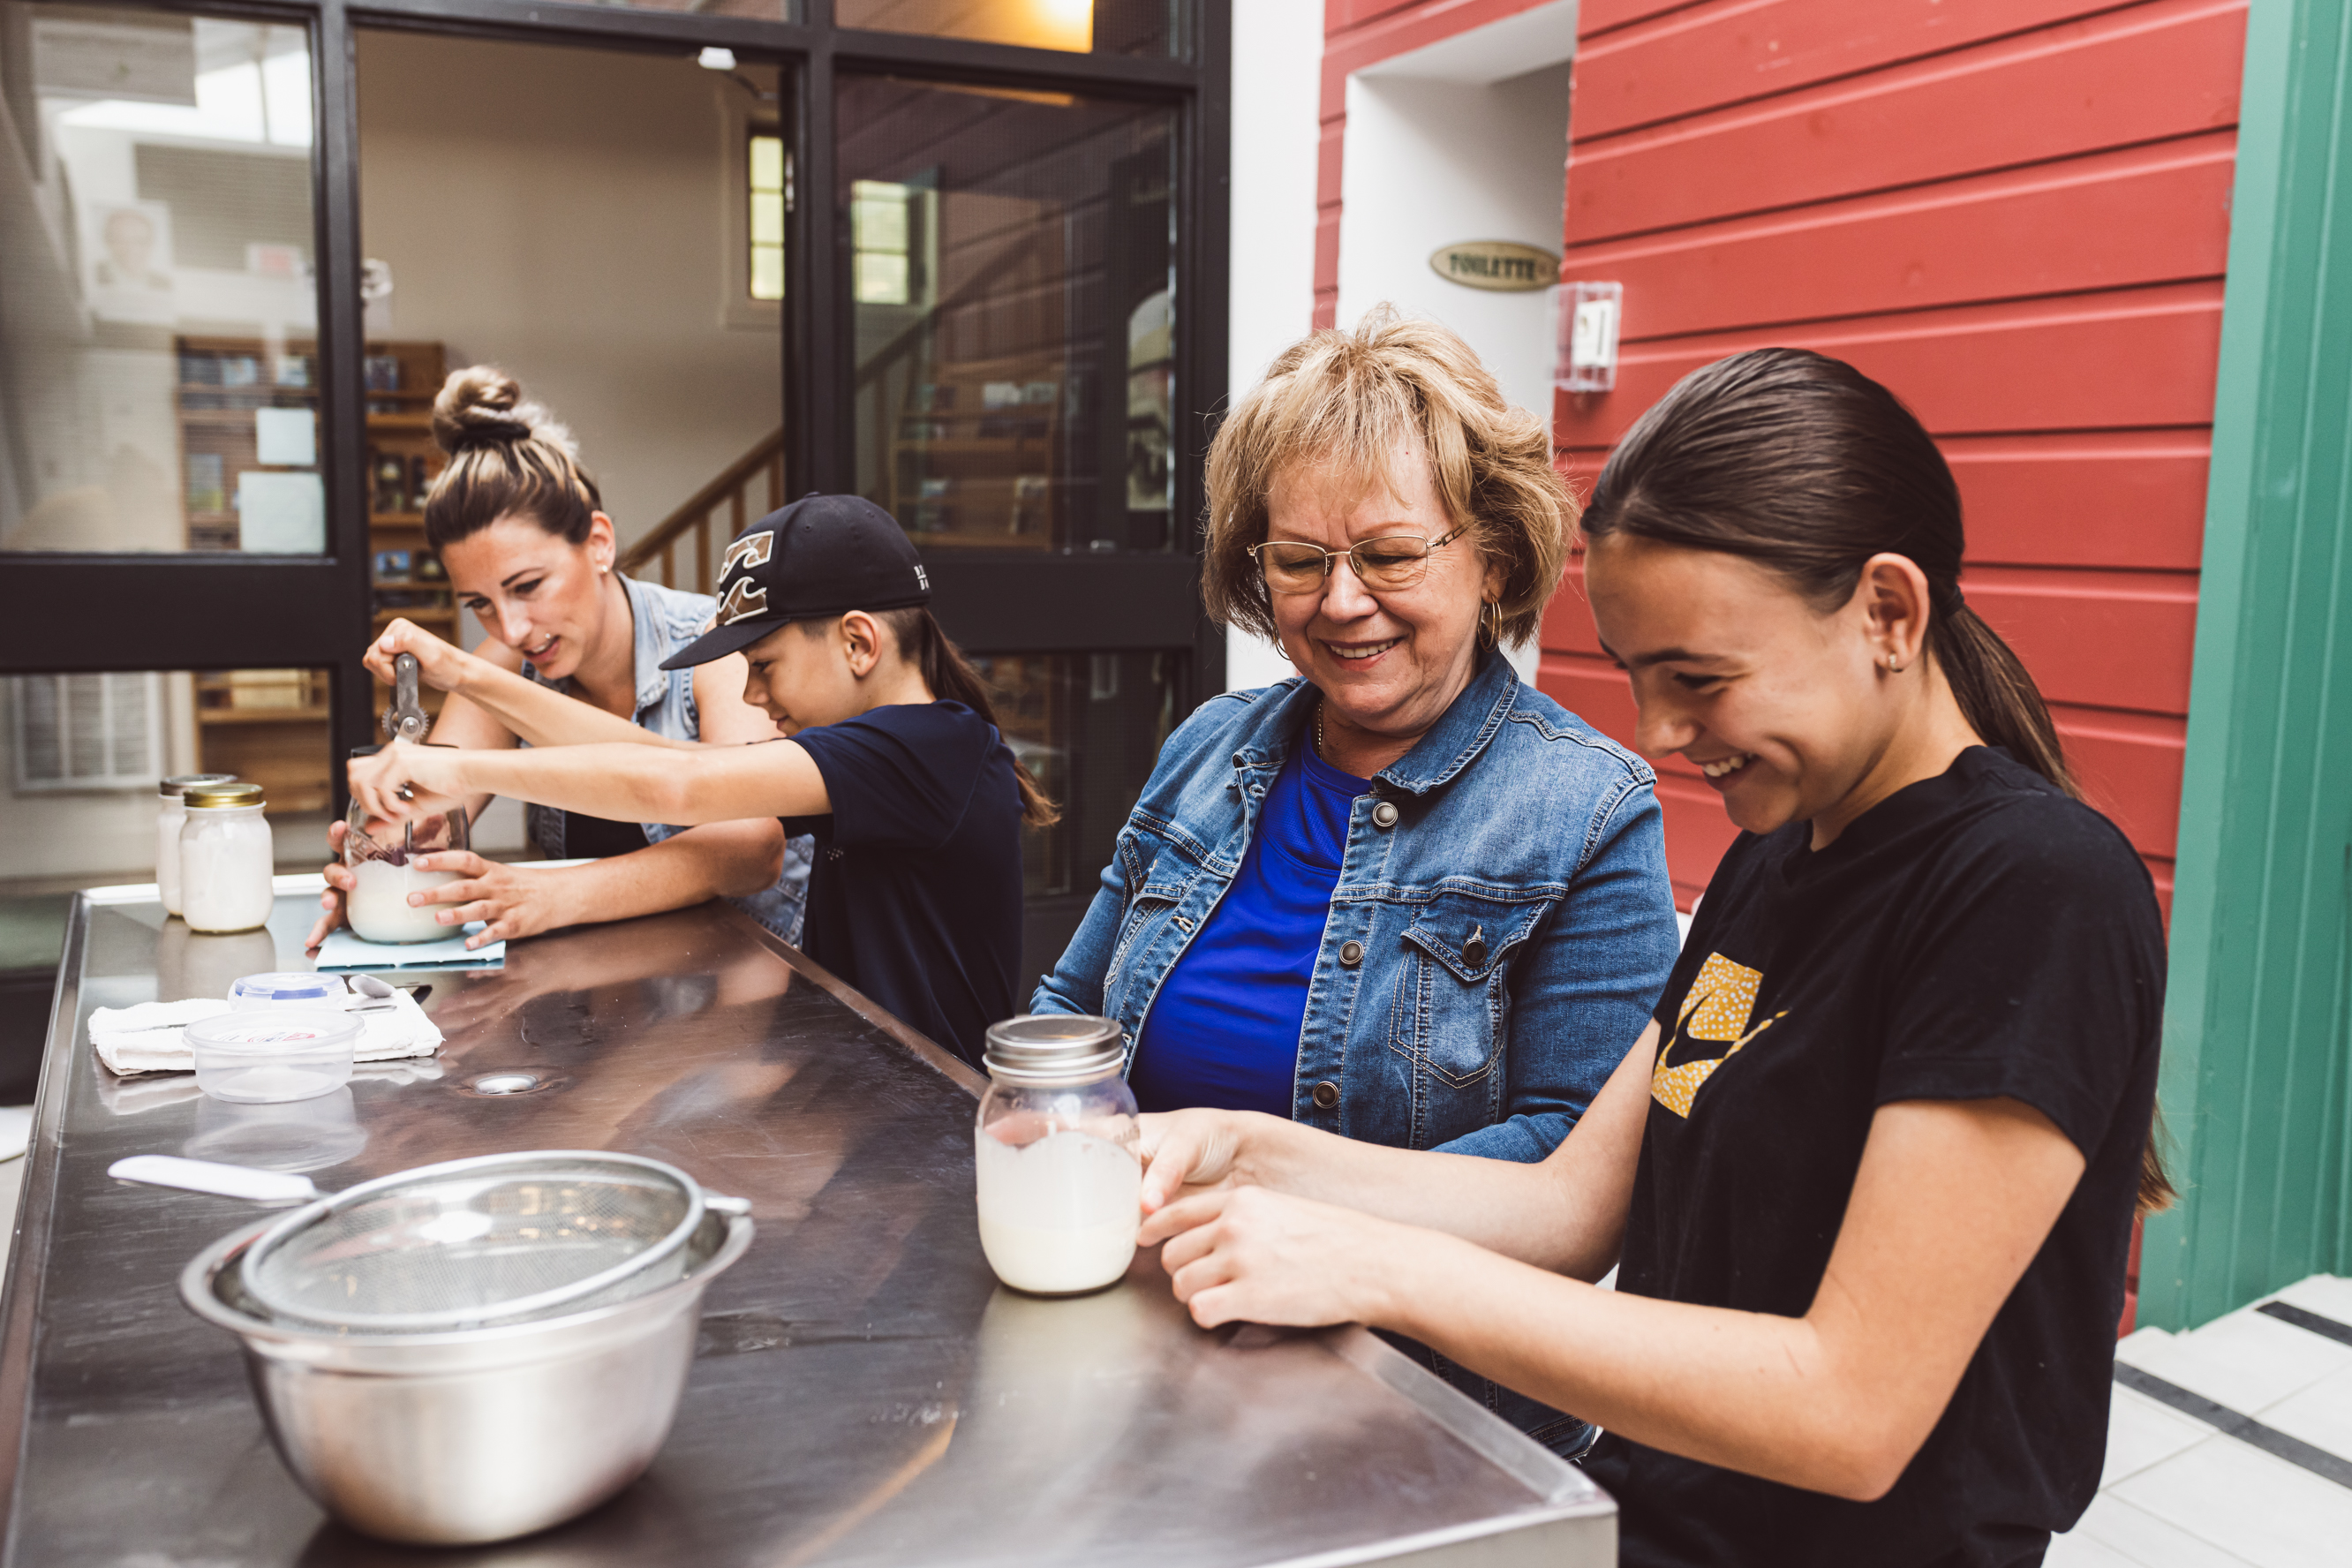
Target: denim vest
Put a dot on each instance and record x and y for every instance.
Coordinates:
(666, 620)
(1502, 925)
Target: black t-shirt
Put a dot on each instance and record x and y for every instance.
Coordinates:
(915, 898)
(1976, 935)
(595, 838)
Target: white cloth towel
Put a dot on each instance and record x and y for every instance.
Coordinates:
(146, 1038)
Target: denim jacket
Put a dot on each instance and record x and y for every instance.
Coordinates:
(667, 619)
(1501, 924)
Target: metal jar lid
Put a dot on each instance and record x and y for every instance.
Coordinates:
(201, 797)
(1046, 1050)
(176, 786)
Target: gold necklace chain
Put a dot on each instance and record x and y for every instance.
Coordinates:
(1319, 732)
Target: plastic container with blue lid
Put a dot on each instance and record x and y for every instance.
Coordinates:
(286, 989)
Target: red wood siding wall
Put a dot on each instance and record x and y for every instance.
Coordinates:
(2015, 214)
(1356, 34)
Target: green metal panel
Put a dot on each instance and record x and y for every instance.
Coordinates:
(2258, 1050)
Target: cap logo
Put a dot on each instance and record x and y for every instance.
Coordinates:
(742, 600)
(751, 549)
(923, 579)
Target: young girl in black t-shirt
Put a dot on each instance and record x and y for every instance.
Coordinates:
(893, 762)
(1871, 1171)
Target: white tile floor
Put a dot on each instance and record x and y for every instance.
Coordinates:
(2179, 1494)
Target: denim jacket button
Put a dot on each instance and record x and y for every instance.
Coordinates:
(1352, 954)
(1325, 1095)
(1384, 814)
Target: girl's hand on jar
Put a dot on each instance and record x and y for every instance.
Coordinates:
(439, 665)
(404, 782)
(513, 903)
(1252, 1255)
(1184, 1149)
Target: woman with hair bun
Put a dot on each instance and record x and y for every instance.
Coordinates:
(1869, 1175)
(889, 756)
(519, 527)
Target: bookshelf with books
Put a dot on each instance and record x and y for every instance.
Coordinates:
(247, 415)
(405, 579)
(972, 462)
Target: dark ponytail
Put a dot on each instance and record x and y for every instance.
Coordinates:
(1807, 466)
(951, 675)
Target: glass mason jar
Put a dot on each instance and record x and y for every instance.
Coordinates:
(377, 909)
(1055, 1161)
(225, 858)
(171, 811)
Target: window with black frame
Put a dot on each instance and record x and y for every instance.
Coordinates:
(1014, 301)
(159, 362)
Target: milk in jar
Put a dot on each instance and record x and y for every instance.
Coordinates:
(378, 908)
(1057, 1174)
(227, 860)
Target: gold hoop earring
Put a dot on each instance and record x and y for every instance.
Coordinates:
(1490, 622)
(1283, 649)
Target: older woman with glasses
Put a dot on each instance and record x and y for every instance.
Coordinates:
(1403, 897)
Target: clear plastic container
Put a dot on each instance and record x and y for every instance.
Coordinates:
(264, 1056)
(288, 988)
(1058, 1177)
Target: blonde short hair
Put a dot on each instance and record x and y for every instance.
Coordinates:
(1345, 400)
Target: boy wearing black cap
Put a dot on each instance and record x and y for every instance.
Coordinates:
(893, 761)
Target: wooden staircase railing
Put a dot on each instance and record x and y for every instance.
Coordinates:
(724, 501)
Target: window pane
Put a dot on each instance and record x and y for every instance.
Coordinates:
(83, 752)
(1082, 26)
(1089, 727)
(767, 163)
(767, 272)
(158, 363)
(767, 217)
(1015, 314)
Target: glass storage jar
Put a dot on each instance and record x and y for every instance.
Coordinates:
(171, 811)
(225, 858)
(1056, 1161)
(377, 909)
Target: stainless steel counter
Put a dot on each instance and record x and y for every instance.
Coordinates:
(865, 1392)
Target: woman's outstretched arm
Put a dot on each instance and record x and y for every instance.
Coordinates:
(539, 715)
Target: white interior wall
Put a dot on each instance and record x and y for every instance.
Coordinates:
(567, 213)
(1467, 139)
(1278, 85)
(1433, 162)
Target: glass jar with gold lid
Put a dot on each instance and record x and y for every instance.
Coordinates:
(226, 858)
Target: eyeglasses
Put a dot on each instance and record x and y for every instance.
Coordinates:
(1392, 561)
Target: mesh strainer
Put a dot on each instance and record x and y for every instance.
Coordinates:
(493, 1239)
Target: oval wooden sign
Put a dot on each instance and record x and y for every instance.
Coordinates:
(1502, 265)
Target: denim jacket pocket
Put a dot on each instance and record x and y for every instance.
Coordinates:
(1158, 882)
(1450, 1013)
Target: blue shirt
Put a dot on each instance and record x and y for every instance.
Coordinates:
(1223, 1031)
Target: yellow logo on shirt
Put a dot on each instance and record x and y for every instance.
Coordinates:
(1716, 1009)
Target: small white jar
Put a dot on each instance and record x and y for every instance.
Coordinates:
(171, 811)
(1057, 1176)
(225, 858)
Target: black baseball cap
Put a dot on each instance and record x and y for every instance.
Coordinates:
(823, 555)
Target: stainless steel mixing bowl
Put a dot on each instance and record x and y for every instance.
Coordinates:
(474, 1435)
